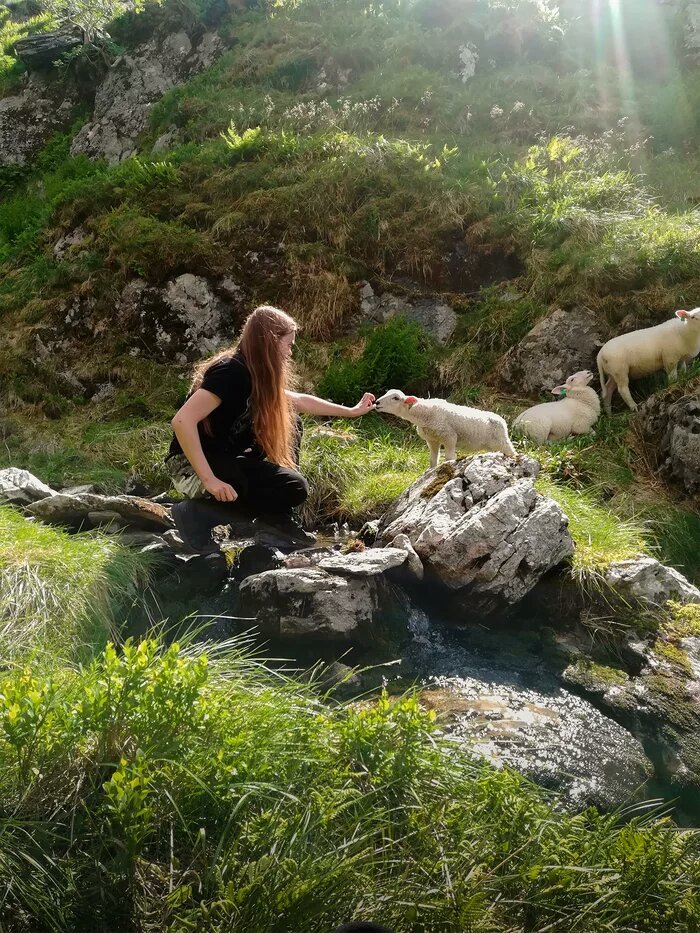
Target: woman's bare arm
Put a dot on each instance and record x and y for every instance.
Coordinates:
(312, 405)
(197, 407)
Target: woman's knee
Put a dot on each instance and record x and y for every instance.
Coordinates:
(297, 489)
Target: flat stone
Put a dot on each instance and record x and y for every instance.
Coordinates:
(366, 563)
(135, 512)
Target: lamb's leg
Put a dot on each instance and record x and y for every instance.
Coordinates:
(623, 387)
(450, 445)
(671, 373)
(434, 447)
(608, 391)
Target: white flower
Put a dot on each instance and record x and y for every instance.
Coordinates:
(496, 112)
(517, 107)
(468, 57)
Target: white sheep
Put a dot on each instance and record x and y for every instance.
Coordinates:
(441, 423)
(642, 352)
(576, 413)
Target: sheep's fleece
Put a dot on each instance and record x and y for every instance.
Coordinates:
(442, 423)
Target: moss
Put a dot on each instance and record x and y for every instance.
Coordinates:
(682, 621)
(674, 655)
(445, 472)
(596, 677)
(668, 694)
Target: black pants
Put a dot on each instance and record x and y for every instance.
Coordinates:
(264, 487)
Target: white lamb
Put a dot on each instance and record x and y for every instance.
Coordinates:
(574, 414)
(642, 352)
(441, 423)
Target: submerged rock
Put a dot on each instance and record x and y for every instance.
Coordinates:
(556, 739)
(480, 527)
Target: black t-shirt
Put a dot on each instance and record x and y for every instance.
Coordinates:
(231, 422)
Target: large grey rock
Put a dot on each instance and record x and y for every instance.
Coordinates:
(557, 346)
(312, 603)
(554, 738)
(134, 82)
(42, 106)
(645, 580)
(93, 509)
(184, 320)
(481, 528)
(671, 426)
(435, 317)
(20, 487)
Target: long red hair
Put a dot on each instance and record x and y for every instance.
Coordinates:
(273, 415)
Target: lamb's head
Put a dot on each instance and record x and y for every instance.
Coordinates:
(395, 403)
(690, 319)
(578, 381)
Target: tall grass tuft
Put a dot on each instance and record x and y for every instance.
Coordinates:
(62, 595)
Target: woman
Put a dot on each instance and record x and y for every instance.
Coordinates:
(237, 436)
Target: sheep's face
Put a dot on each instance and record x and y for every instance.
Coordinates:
(395, 402)
(691, 318)
(577, 381)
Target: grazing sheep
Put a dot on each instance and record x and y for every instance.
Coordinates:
(441, 423)
(642, 352)
(574, 414)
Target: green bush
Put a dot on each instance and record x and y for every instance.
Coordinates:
(396, 355)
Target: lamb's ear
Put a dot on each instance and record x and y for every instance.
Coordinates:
(682, 315)
(410, 400)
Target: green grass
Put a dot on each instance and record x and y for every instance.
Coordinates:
(600, 535)
(166, 789)
(62, 596)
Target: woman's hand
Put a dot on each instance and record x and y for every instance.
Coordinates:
(222, 492)
(365, 404)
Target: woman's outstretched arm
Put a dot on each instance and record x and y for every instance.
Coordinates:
(311, 405)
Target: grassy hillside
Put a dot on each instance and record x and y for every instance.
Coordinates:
(335, 142)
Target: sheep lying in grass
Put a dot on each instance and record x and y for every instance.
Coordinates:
(642, 352)
(574, 414)
(441, 423)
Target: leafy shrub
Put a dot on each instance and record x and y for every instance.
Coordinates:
(396, 355)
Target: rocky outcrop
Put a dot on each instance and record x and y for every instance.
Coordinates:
(310, 602)
(646, 581)
(481, 528)
(20, 487)
(671, 427)
(43, 106)
(134, 82)
(553, 737)
(435, 317)
(187, 318)
(557, 346)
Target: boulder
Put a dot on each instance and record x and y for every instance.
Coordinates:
(557, 346)
(42, 49)
(184, 320)
(309, 602)
(553, 737)
(413, 564)
(671, 427)
(481, 528)
(435, 317)
(92, 509)
(644, 580)
(133, 83)
(20, 487)
(42, 106)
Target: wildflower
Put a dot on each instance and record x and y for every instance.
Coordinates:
(496, 112)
